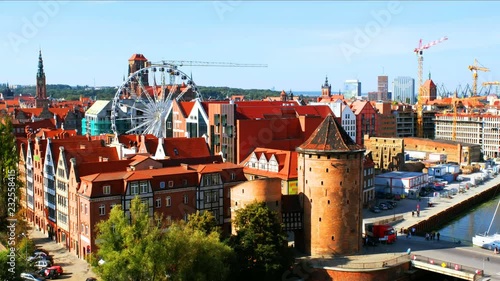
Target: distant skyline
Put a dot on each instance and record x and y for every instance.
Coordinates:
(89, 42)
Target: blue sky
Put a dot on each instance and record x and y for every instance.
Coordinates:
(300, 41)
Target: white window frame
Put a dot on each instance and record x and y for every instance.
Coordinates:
(168, 201)
(106, 189)
(158, 203)
(102, 210)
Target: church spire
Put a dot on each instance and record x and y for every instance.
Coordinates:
(40, 72)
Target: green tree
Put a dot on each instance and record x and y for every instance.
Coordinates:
(10, 184)
(204, 222)
(140, 249)
(260, 244)
(13, 261)
(193, 255)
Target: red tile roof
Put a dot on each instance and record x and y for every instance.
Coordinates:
(89, 168)
(329, 137)
(287, 163)
(60, 112)
(186, 107)
(137, 57)
(179, 148)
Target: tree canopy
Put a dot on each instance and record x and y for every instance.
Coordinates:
(138, 248)
(10, 184)
(58, 91)
(260, 244)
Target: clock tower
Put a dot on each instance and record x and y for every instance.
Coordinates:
(41, 88)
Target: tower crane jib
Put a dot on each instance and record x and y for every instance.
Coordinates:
(419, 52)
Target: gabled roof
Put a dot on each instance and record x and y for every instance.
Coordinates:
(429, 83)
(186, 107)
(358, 105)
(329, 137)
(138, 57)
(287, 163)
(60, 112)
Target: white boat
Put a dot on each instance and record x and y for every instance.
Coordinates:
(487, 240)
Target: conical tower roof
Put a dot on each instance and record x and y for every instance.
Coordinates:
(329, 137)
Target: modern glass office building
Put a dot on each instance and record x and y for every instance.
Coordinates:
(404, 90)
(352, 88)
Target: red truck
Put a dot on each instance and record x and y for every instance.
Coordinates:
(384, 233)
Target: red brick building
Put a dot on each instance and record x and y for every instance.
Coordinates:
(330, 180)
(366, 119)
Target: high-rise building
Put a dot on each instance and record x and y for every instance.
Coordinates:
(404, 90)
(352, 89)
(383, 85)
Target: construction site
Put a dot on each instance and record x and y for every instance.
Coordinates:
(465, 115)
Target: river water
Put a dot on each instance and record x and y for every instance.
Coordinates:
(474, 221)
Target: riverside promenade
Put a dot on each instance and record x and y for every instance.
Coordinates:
(431, 218)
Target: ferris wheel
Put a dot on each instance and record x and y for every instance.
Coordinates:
(142, 103)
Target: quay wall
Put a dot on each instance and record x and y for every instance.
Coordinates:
(439, 219)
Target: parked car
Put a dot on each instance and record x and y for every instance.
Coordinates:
(375, 209)
(383, 206)
(42, 263)
(57, 268)
(91, 279)
(32, 277)
(50, 273)
(392, 203)
(38, 256)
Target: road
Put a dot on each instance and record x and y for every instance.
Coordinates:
(74, 268)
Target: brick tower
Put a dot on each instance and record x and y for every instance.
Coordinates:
(41, 87)
(330, 181)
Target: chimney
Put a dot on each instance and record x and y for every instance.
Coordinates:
(185, 166)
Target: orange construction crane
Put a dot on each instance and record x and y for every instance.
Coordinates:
(419, 52)
(493, 83)
(475, 68)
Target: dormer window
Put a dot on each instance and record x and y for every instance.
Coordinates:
(106, 189)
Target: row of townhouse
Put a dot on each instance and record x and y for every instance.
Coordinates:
(72, 184)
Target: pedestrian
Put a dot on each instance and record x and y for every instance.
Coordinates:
(437, 234)
(418, 213)
(413, 230)
(412, 213)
